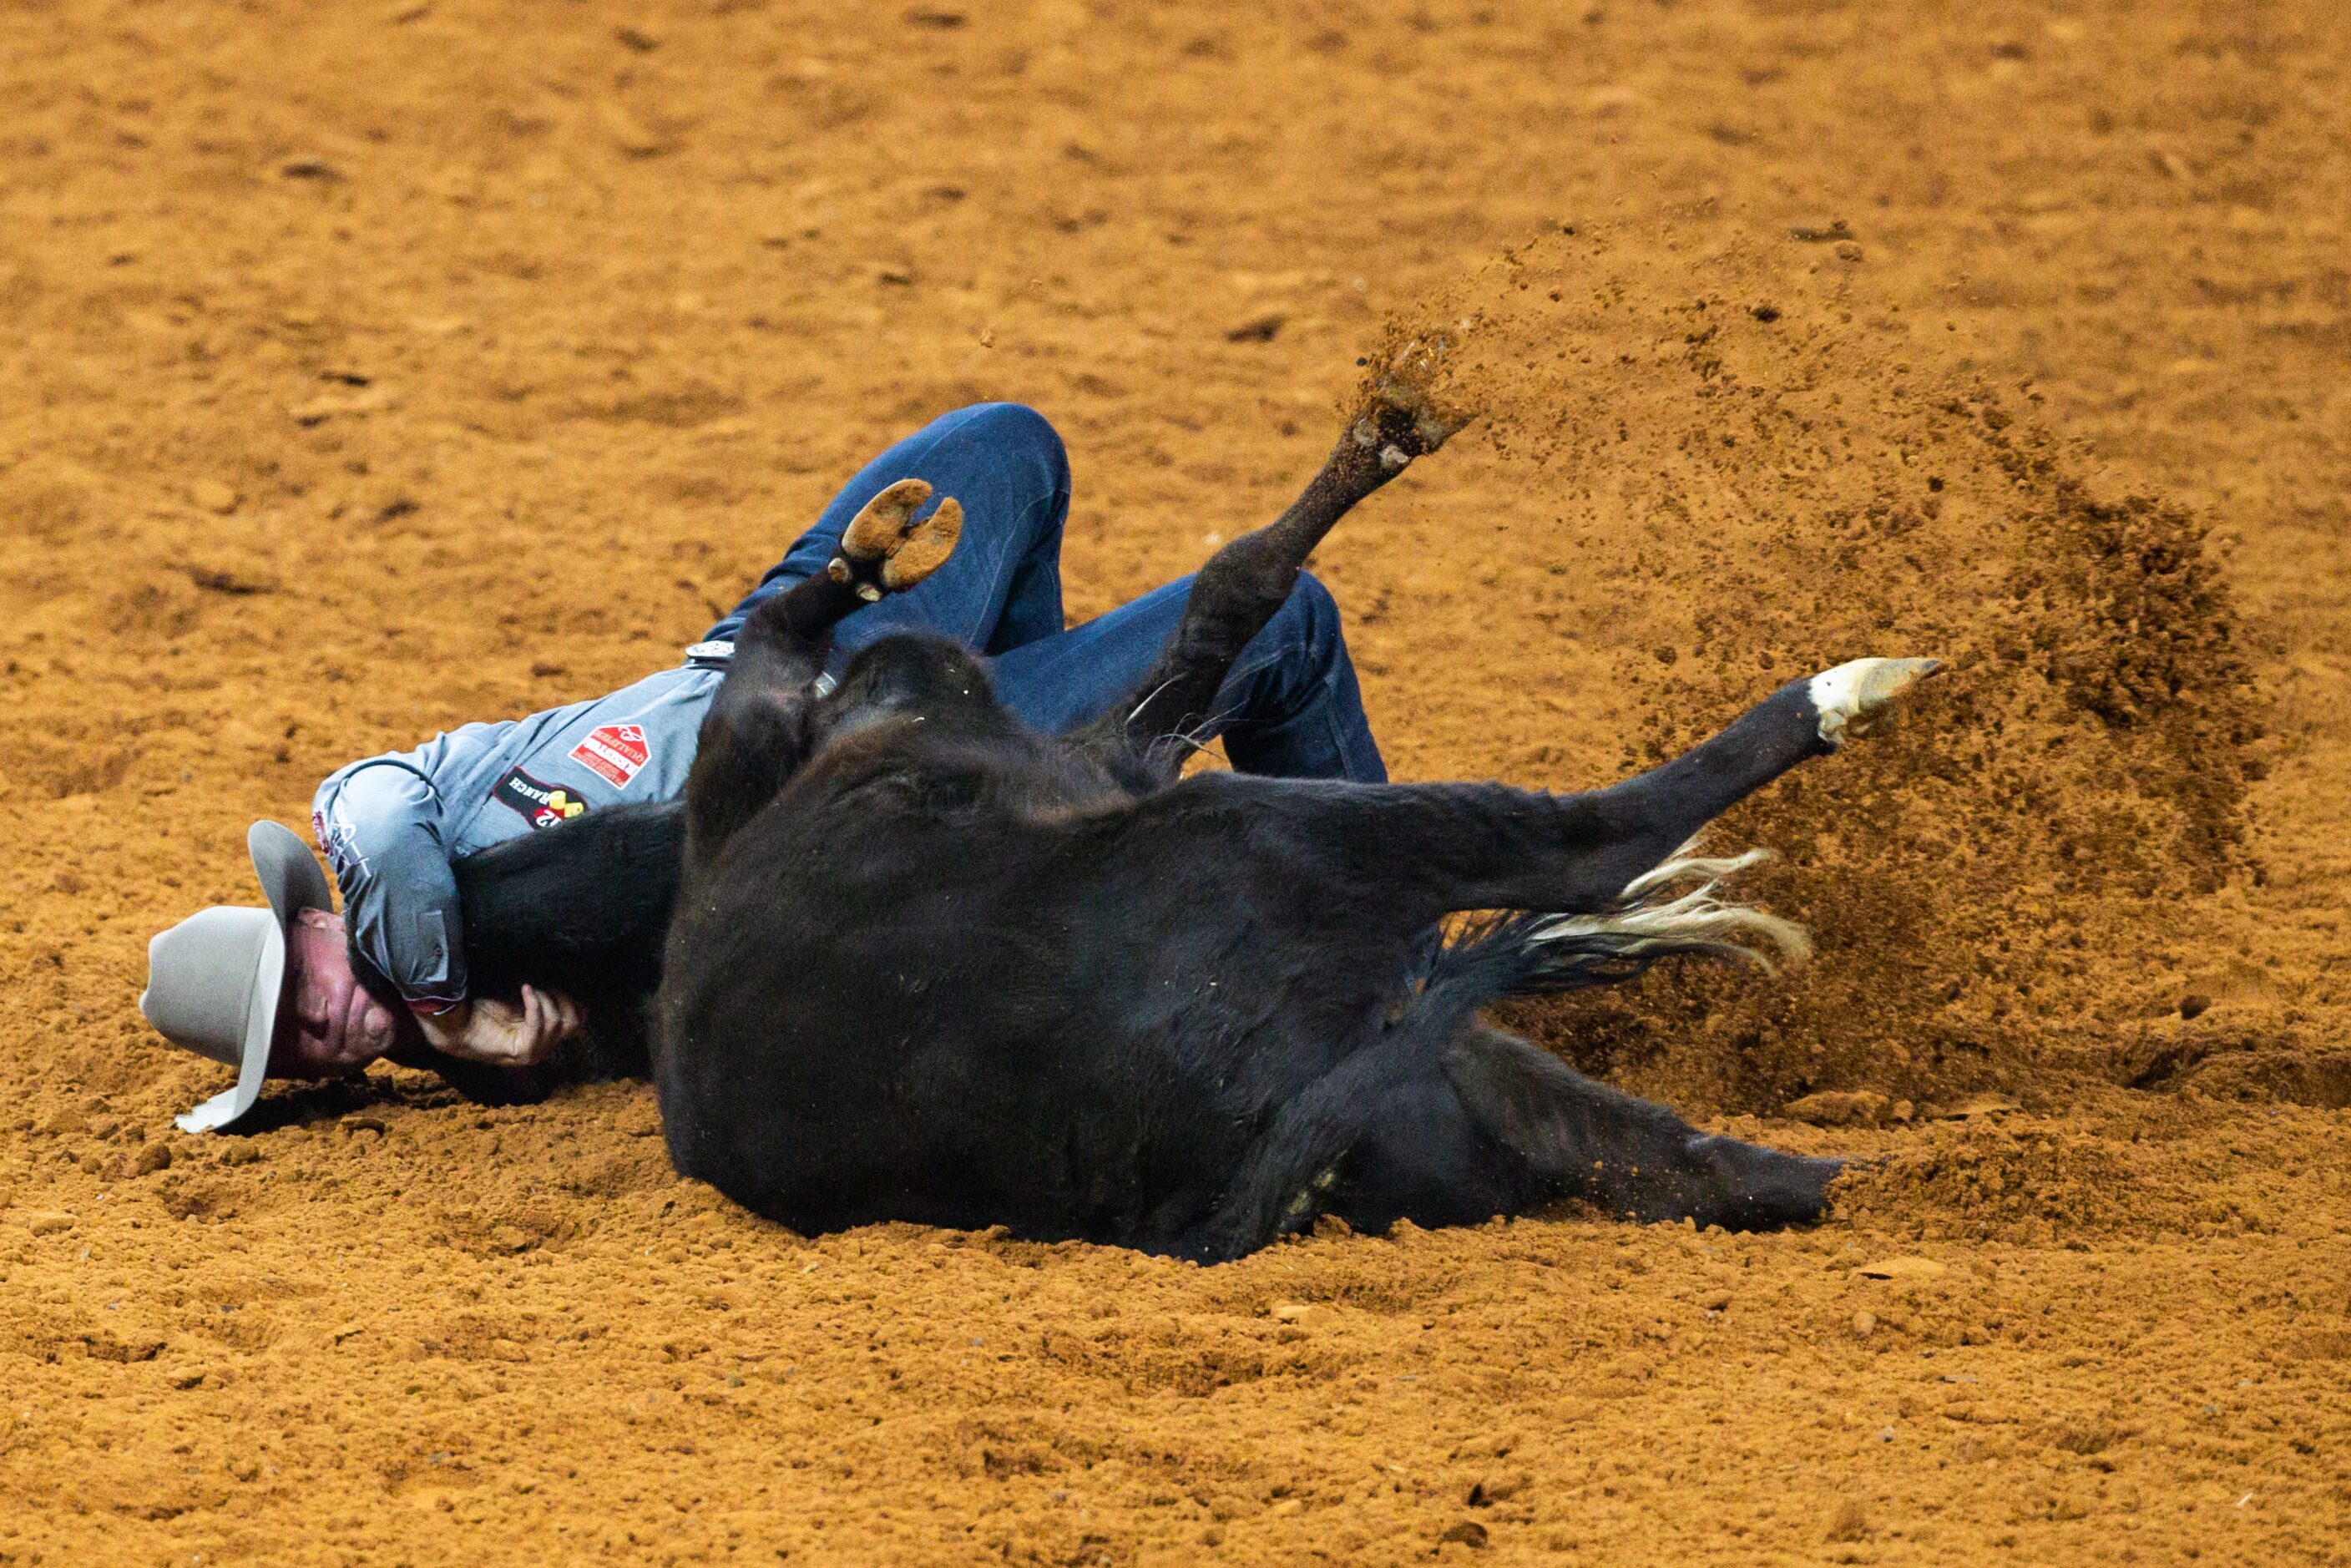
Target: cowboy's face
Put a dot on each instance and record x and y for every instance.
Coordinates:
(328, 1024)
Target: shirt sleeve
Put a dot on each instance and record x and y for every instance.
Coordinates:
(380, 824)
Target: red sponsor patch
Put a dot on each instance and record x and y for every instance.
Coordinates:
(614, 750)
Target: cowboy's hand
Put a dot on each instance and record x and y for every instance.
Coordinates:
(504, 1033)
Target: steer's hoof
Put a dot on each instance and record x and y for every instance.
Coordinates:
(1401, 414)
(1848, 697)
(1747, 1186)
(1407, 421)
(884, 550)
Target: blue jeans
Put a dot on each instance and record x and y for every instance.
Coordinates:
(1289, 707)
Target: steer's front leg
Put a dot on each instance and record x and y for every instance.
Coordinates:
(754, 738)
(1243, 584)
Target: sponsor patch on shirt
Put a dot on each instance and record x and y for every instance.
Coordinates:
(541, 805)
(337, 836)
(614, 750)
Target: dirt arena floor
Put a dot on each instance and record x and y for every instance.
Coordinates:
(368, 370)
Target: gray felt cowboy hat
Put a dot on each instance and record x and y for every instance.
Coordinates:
(213, 980)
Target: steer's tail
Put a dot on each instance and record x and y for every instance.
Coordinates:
(1522, 954)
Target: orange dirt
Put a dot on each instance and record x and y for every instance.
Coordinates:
(368, 372)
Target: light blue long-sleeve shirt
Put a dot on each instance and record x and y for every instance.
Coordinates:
(391, 826)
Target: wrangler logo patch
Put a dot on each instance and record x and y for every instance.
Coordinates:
(614, 750)
(541, 805)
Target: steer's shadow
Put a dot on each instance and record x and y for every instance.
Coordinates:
(314, 1105)
(599, 1056)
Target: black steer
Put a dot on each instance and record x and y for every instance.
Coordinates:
(929, 965)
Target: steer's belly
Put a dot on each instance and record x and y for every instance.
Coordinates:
(914, 1023)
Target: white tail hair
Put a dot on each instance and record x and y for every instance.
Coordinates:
(1645, 921)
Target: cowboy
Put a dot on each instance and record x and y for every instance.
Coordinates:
(296, 990)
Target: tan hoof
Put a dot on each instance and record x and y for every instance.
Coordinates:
(881, 524)
(908, 551)
(1403, 415)
(924, 548)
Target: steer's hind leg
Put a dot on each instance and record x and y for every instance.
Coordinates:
(1466, 1121)
(1296, 1159)
(754, 735)
(1636, 825)
(1426, 1158)
(1420, 852)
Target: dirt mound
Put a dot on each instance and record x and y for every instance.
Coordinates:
(1780, 474)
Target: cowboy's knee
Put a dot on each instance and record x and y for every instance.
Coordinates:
(1018, 433)
(1310, 617)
